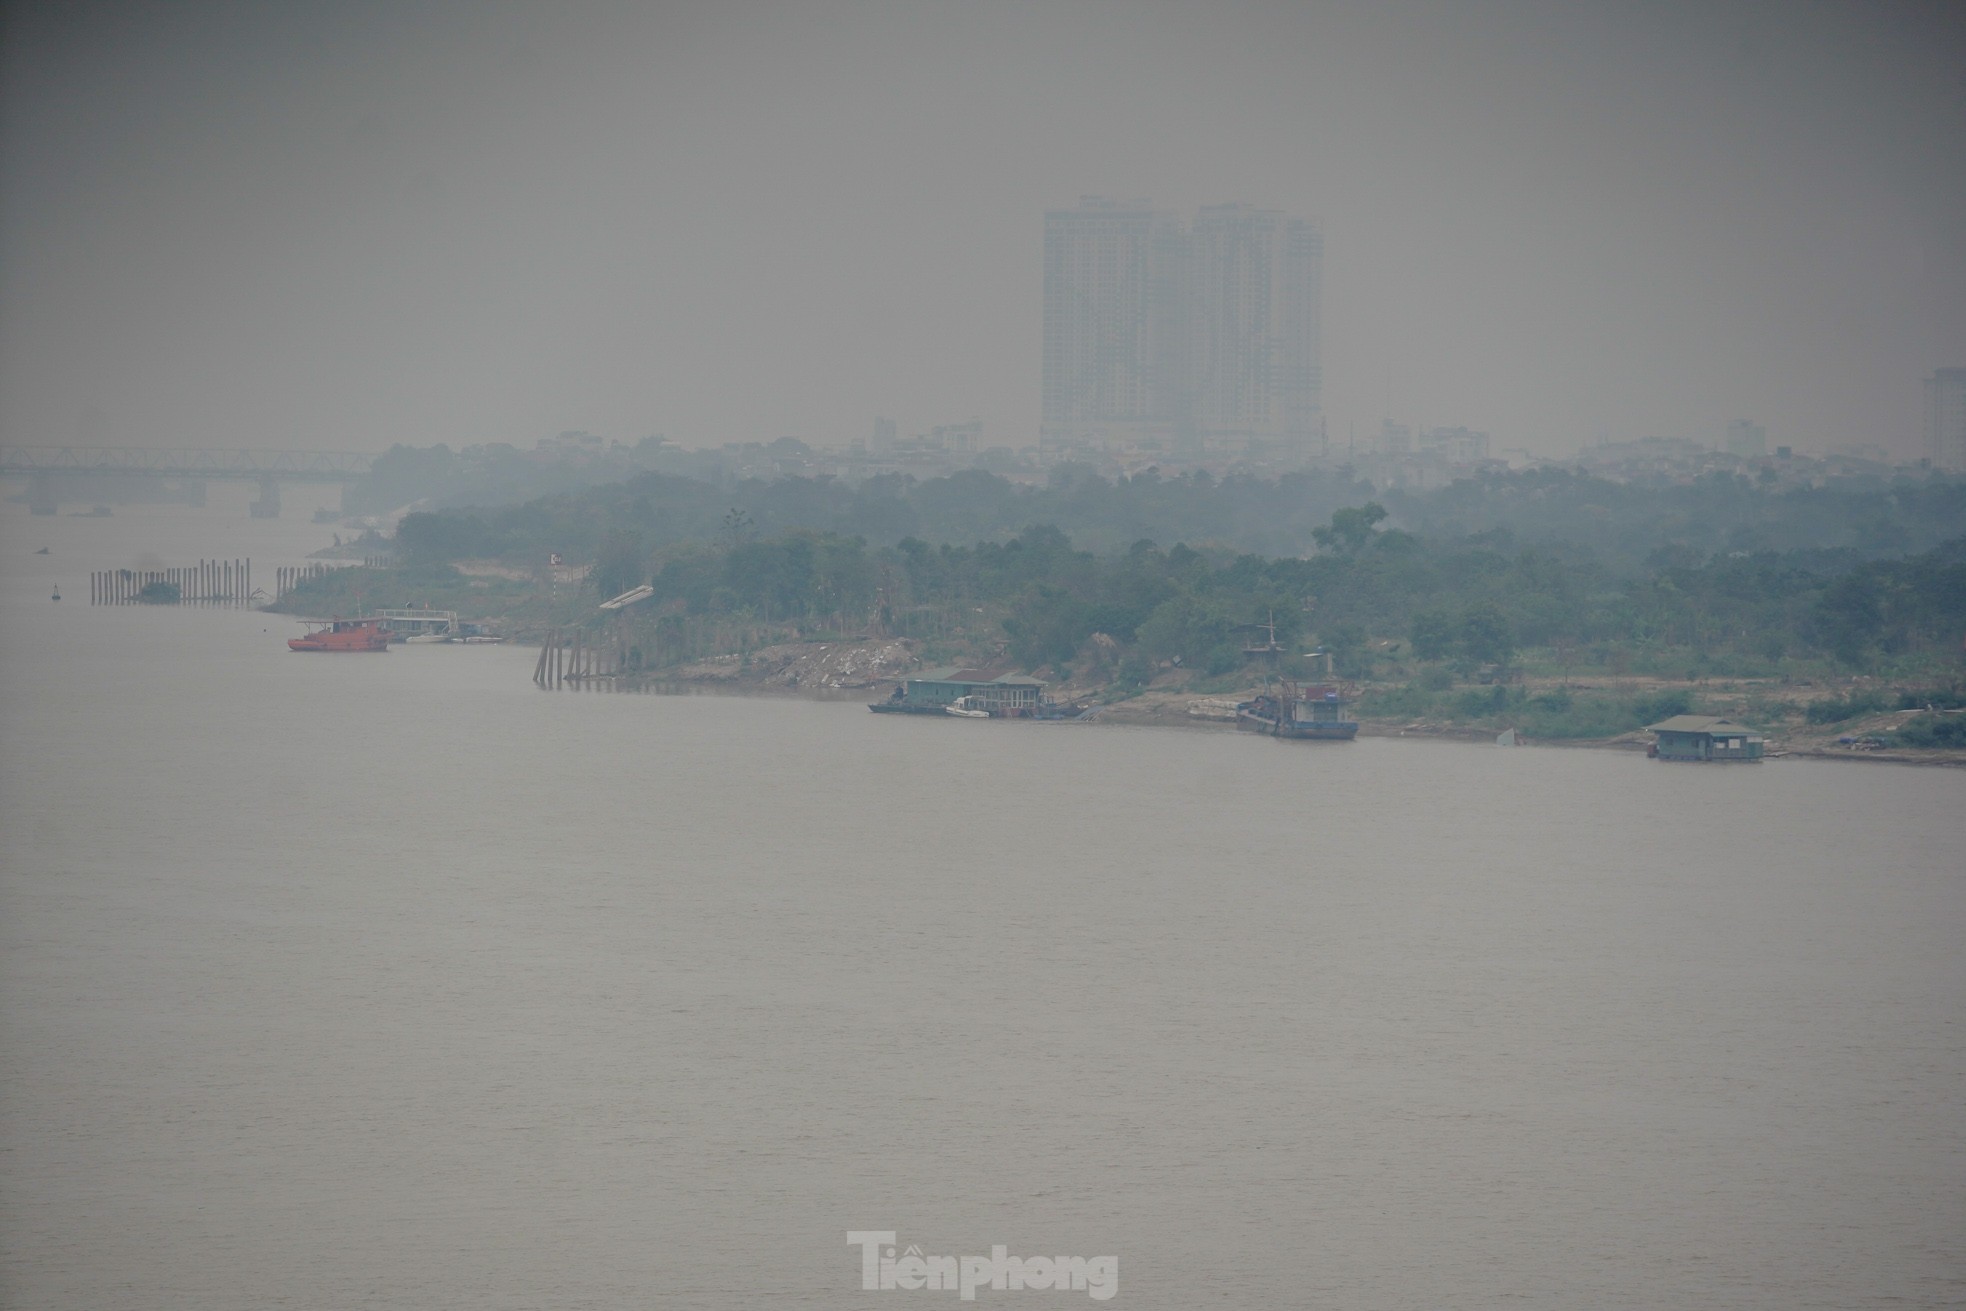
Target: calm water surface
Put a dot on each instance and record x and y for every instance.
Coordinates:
(395, 982)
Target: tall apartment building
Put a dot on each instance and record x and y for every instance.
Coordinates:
(1111, 353)
(1747, 439)
(1945, 419)
(1182, 339)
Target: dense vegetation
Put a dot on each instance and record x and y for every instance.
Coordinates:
(1372, 600)
(1439, 601)
(1621, 524)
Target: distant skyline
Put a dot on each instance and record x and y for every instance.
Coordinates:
(351, 225)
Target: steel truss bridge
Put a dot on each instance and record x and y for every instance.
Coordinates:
(50, 468)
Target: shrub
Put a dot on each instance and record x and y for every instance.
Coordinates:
(1941, 698)
(1933, 731)
(1835, 712)
(1661, 705)
(1409, 701)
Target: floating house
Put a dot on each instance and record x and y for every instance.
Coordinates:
(935, 690)
(1704, 737)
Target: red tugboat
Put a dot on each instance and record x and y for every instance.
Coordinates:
(341, 635)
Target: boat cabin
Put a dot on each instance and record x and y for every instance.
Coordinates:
(416, 621)
(1317, 704)
(937, 689)
(1705, 737)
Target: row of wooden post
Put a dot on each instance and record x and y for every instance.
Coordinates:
(224, 581)
(567, 657)
(288, 577)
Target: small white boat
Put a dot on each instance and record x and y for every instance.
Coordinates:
(966, 707)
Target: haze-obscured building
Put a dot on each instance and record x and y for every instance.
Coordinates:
(1183, 340)
(1945, 419)
(1746, 439)
(1255, 328)
(1455, 445)
(1112, 325)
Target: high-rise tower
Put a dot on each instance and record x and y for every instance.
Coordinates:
(1160, 337)
(1254, 320)
(1109, 269)
(1945, 419)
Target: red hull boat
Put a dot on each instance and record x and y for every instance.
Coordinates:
(342, 635)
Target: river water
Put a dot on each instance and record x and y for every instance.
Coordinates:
(396, 982)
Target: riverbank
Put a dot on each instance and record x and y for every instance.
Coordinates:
(829, 670)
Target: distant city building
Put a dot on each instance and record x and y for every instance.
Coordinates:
(1395, 439)
(957, 438)
(1747, 440)
(883, 434)
(573, 443)
(1112, 314)
(1945, 419)
(1254, 327)
(1164, 338)
(1455, 445)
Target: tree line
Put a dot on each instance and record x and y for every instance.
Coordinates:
(1622, 524)
(1376, 600)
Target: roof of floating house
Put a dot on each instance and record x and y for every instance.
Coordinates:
(1698, 724)
(952, 674)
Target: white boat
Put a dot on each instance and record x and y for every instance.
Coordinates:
(966, 707)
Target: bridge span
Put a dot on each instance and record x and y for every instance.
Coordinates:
(52, 470)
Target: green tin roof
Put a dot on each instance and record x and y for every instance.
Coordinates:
(1716, 724)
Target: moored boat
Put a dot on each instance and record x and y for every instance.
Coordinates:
(1312, 712)
(341, 635)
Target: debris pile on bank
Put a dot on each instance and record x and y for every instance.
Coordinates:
(811, 665)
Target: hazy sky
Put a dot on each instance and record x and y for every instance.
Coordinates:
(351, 224)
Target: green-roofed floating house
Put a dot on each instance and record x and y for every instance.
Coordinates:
(1704, 737)
(973, 693)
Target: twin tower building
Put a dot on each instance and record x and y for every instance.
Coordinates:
(1183, 340)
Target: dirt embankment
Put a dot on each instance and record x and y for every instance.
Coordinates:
(813, 665)
(819, 667)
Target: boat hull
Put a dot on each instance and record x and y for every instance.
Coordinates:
(342, 635)
(1327, 730)
(308, 644)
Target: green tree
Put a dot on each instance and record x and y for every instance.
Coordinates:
(1350, 530)
(1433, 635)
(1486, 635)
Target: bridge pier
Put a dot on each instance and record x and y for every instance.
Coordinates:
(41, 494)
(268, 504)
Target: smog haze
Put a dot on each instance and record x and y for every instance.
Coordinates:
(352, 225)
